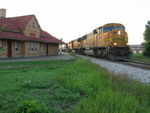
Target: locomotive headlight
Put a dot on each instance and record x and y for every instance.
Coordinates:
(119, 32)
(115, 44)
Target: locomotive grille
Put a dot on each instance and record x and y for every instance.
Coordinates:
(118, 38)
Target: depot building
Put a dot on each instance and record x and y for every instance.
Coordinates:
(23, 37)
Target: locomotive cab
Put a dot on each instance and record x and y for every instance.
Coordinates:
(115, 35)
(116, 41)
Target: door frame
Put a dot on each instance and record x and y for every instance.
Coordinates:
(9, 48)
(46, 49)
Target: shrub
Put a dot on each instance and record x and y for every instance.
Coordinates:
(30, 106)
(147, 49)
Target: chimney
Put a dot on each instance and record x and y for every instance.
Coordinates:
(2, 13)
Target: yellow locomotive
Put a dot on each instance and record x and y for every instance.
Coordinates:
(109, 40)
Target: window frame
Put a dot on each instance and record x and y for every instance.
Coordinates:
(42, 47)
(17, 46)
(33, 46)
(110, 28)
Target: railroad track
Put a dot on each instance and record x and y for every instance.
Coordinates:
(138, 64)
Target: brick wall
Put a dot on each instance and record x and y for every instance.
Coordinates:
(42, 49)
(52, 49)
(3, 48)
(17, 49)
(32, 29)
(32, 49)
(27, 49)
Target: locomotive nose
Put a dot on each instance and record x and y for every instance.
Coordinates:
(118, 38)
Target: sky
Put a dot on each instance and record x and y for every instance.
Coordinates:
(71, 19)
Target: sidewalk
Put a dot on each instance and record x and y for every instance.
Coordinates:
(36, 58)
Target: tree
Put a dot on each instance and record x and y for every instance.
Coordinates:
(147, 32)
(147, 40)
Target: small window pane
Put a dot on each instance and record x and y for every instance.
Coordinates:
(17, 46)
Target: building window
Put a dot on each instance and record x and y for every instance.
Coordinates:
(32, 46)
(17, 46)
(43, 47)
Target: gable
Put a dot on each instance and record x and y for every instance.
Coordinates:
(16, 24)
(25, 28)
(32, 29)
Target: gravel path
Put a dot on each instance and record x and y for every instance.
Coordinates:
(120, 69)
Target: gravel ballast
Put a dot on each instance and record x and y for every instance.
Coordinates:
(120, 69)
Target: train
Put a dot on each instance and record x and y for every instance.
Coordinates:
(107, 41)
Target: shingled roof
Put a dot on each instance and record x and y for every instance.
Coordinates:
(11, 28)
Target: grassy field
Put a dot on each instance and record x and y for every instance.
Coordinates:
(72, 86)
(140, 57)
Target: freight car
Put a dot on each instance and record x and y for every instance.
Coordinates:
(109, 40)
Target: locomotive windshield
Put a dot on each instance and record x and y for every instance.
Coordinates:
(106, 29)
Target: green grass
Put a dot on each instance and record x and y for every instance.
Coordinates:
(34, 80)
(72, 86)
(140, 57)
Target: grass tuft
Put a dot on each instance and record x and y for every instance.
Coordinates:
(140, 57)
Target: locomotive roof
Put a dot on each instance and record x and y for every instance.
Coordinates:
(106, 25)
(112, 24)
(82, 38)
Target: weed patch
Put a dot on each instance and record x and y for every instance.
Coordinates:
(30, 106)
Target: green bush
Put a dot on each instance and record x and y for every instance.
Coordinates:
(30, 106)
(147, 49)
